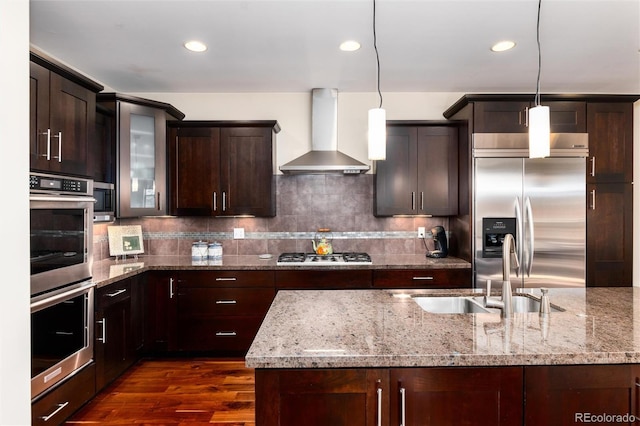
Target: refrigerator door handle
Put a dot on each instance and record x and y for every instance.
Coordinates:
(520, 235)
(529, 212)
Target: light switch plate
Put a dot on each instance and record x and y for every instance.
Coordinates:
(238, 233)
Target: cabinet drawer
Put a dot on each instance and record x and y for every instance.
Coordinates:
(57, 405)
(422, 278)
(218, 334)
(114, 293)
(323, 280)
(226, 279)
(224, 301)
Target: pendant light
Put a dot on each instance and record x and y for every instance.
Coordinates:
(377, 134)
(539, 124)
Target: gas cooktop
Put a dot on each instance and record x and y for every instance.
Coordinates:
(351, 258)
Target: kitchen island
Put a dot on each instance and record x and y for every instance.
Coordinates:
(376, 357)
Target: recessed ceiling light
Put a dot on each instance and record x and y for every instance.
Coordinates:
(501, 46)
(349, 46)
(195, 46)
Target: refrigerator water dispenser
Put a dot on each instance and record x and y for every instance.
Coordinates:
(493, 233)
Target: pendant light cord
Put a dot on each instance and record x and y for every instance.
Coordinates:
(375, 47)
(537, 98)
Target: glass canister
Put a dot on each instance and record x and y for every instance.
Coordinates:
(322, 242)
(199, 250)
(215, 251)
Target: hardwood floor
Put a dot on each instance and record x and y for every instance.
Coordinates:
(176, 392)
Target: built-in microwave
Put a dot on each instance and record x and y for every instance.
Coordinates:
(104, 208)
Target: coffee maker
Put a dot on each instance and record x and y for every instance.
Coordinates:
(440, 242)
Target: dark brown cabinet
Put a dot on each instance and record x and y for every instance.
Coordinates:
(563, 395)
(323, 280)
(114, 347)
(62, 116)
(420, 173)
(220, 311)
(422, 278)
(610, 194)
(511, 116)
(102, 151)
(161, 304)
(222, 168)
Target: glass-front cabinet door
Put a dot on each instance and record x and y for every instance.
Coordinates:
(142, 161)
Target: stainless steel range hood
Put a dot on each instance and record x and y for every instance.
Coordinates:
(324, 156)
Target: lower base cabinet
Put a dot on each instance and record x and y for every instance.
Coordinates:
(530, 395)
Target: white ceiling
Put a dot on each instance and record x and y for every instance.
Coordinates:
(292, 45)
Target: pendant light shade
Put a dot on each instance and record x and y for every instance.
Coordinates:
(539, 132)
(377, 134)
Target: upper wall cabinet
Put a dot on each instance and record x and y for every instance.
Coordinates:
(222, 168)
(511, 116)
(62, 112)
(420, 173)
(140, 140)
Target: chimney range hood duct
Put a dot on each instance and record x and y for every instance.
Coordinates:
(324, 156)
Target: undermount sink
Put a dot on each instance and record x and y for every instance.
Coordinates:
(475, 305)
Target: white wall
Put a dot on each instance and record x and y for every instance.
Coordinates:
(293, 112)
(15, 383)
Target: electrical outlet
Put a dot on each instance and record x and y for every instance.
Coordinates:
(420, 231)
(238, 233)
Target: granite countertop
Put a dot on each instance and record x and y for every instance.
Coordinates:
(376, 328)
(108, 271)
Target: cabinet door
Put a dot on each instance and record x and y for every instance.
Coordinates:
(39, 141)
(437, 157)
(567, 117)
(609, 234)
(500, 117)
(610, 128)
(456, 396)
(114, 341)
(195, 171)
(141, 182)
(161, 311)
(563, 395)
(396, 176)
(246, 171)
(102, 150)
(336, 397)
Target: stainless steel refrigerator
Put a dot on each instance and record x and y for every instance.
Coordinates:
(542, 202)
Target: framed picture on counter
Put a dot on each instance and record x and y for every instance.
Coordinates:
(125, 240)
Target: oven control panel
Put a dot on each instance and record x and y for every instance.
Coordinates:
(44, 183)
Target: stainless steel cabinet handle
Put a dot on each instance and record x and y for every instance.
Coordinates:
(116, 293)
(225, 279)
(158, 199)
(171, 293)
(226, 302)
(224, 201)
(379, 404)
(403, 406)
(413, 200)
(226, 333)
(526, 117)
(593, 199)
(593, 165)
(421, 200)
(59, 147)
(56, 411)
(215, 202)
(422, 278)
(48, 154)
(103, 339)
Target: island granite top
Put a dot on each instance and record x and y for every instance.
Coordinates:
(386, 328)
(109, 270)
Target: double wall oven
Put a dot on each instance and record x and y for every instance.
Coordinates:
(61, 247)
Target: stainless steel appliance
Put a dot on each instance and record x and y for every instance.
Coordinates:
(312, 259)
(542, 202)
(61, 334)
(105, 206)
(61, 231)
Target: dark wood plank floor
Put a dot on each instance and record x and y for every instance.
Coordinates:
(176, 392)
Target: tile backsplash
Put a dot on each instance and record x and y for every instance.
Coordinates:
(304, 203)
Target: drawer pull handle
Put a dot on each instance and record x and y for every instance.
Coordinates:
(56, 411)
(226, 333)
(422, 278)
(226, 302)
(379, 405)
(117, 293)
(225, 279)
(403, 407)
(103, 322)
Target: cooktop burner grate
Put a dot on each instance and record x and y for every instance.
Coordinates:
(352, 258)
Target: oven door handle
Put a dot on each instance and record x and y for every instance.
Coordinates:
(61, 296)
(69, 198)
